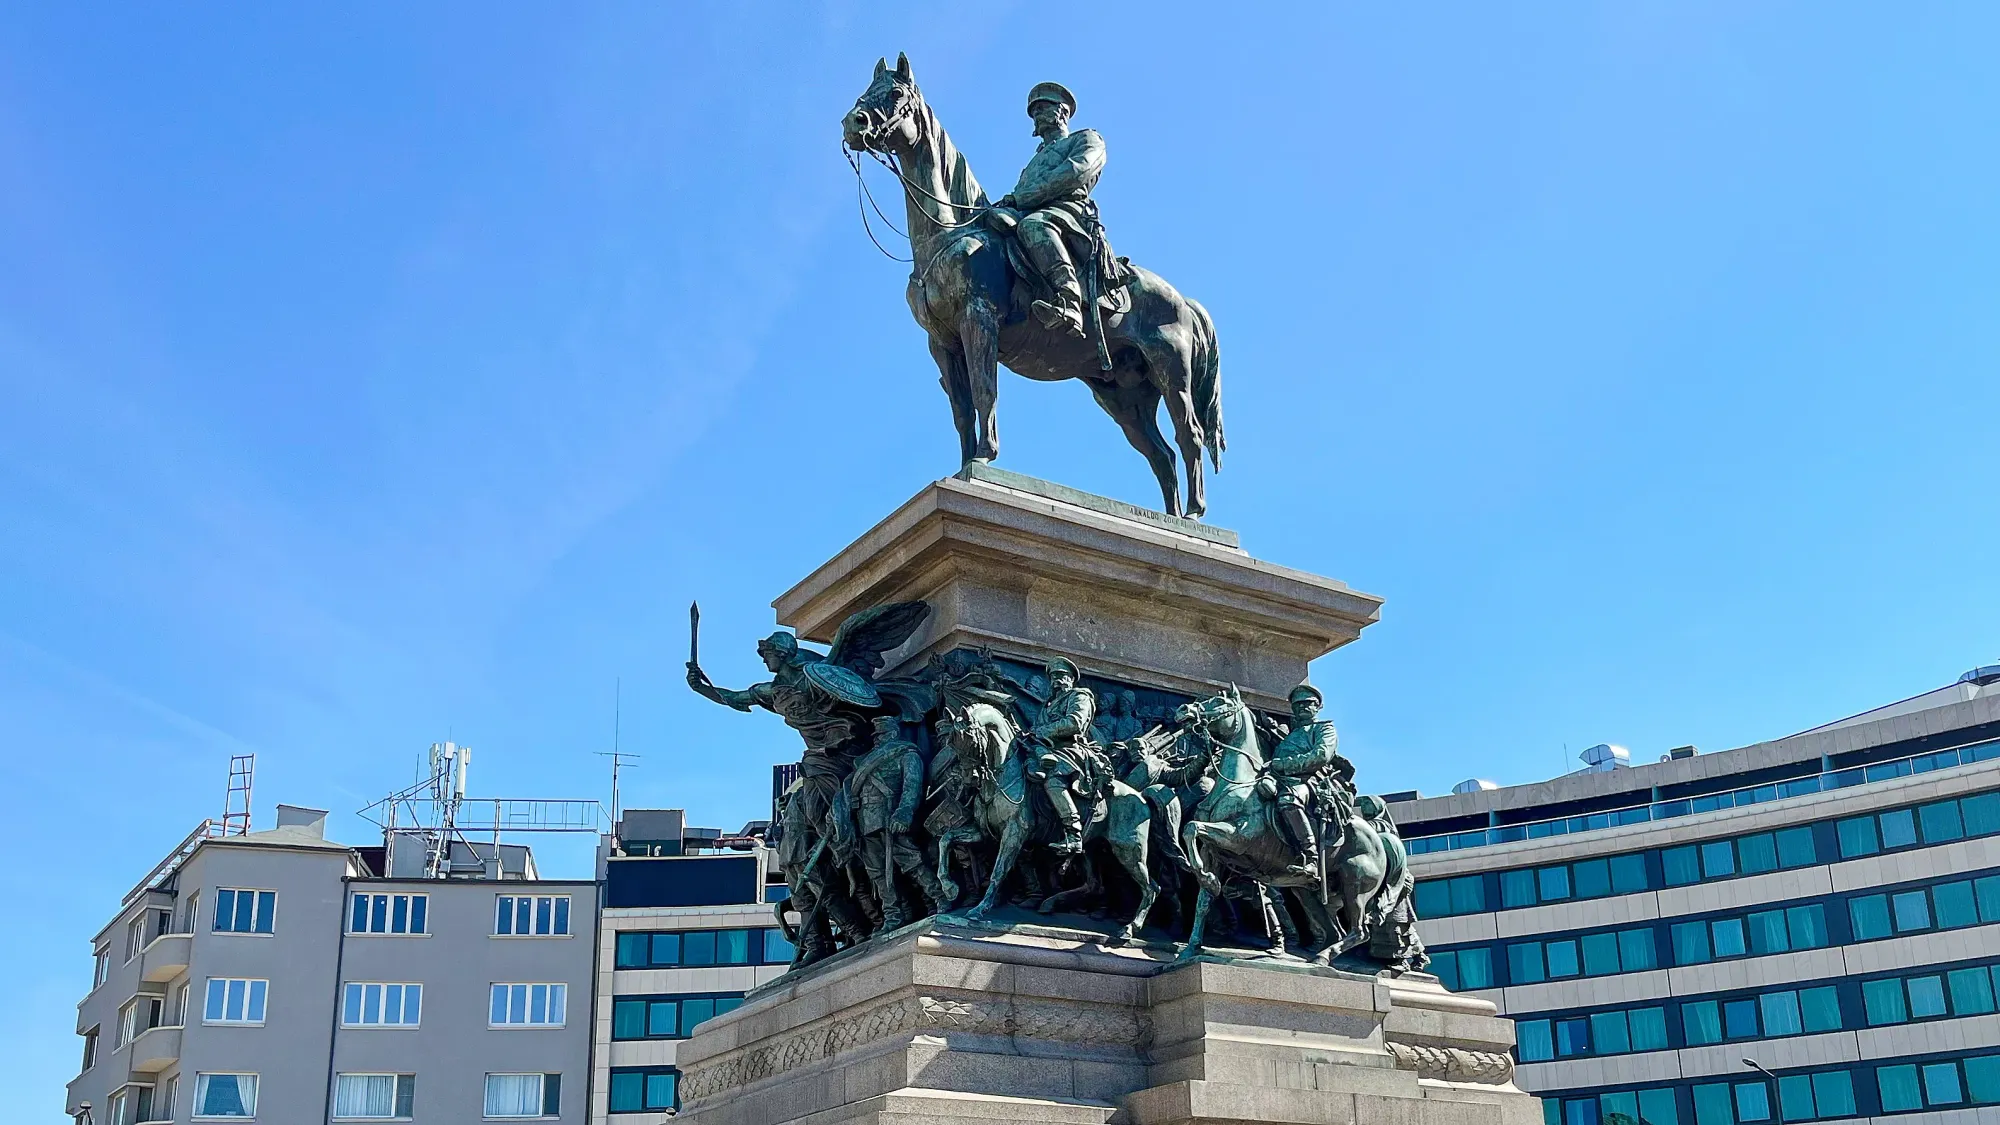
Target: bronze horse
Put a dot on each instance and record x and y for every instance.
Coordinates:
(968, 299)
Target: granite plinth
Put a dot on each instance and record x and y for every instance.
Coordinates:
(1032, 570)
(947, 1025)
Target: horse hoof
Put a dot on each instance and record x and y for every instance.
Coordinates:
(1123, 937)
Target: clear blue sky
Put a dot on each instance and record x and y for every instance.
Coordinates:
(373, 376)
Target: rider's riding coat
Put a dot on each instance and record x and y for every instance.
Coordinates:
(1306, 753)
(1053, 196)
(1063, 736)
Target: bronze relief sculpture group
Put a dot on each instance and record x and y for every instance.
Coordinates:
(971, 788)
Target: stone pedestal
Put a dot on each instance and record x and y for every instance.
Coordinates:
(946, 1025)
(1033, 569)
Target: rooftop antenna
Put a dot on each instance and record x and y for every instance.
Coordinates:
(618, 757)
(236, 801)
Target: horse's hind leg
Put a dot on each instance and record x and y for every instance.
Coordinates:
(979, 343)
(951, 376)
(1136, 410)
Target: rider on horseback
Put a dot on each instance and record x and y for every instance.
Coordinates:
(1050, 210)
(1063, 757)
(1308, 753)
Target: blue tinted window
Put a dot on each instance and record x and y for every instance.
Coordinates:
(1628, 873)
(777, 950)
(666, 949)
(1833, 1093)
(1580, 1111)
(1593, 878)
(1701, 1023)
(1926, 997)
(1971, 991)
(1475, 968)
(1913, 911)
(628, 1092)
(1857, 837)
(1533, 1041)
(1635, 950)
(1940, 822)
(1717, 859)
(1563, 960)
(1795, 847)
(1781, 1013)
(1981, 814)
(1819, 1008)
(1739, 1019)
(1681, 866)
(1649, 1029)
(1941, 1084)
(1899, 828)
(1882, 1002)
(1468, 894)
(1807, 926)
(1554, 883)
(1524, 963)
(1982, 1078)
(1572, 1038)
(1795, 1098)
(1712, 1105)
(1609, 1034)
(1767, 932)
(1433, 898)
(1954, 904)
(698, 948)
(1753, 1102)
(1758, 853)
(1517, 888)
(1658, 1107)
(1988, 890)
(1870, 915)
(1728, 936)
(1897, 1086)
(1600, 953)
(1690, 943)
(732, 947)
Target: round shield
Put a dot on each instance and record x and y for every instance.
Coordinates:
(841, 683)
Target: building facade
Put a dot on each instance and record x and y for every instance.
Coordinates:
(1800, 930)
(687, 930)
(277, 976)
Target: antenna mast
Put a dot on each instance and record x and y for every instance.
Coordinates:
(236, 801)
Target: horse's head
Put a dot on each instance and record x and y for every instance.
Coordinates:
(1224, 718)
(884, 117)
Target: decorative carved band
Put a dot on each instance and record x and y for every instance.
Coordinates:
(1074, 1023)
(1454, 1064)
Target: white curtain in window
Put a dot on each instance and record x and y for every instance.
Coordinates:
(365, 1095)
(226, 1095)
(513, 1095)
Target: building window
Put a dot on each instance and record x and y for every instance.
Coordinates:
(1442, 898)
(640, 1089)
(370, 1004)
(531, 916)
(524, 1095)
(527, 1005)
(666, 1017)
(225, 1095)
(244, 912)
(135, 936)
(1624, 1107)
(388, 914)
(102, 970)
(163, 1102)
(139, 1015)
(89, 1049)
(234, 1000)
(1461, 969)
(638, 949)
(374, 1096)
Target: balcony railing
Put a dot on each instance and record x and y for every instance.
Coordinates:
(1822, 782)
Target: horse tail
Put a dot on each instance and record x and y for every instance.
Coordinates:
(1208, 384)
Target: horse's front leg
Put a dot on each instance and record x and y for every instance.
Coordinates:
(1003, 864)
(979, 344)
(1202, 903)
(951, 376)
(1192, 834)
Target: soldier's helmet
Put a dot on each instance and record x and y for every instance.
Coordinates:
(781, 641)
(1306, 691)
(1062, 664)
(1052, 92)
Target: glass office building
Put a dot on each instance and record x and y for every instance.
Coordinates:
(1801, 930)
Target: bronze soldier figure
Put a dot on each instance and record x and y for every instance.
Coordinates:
(1064, 758)
(886, 786)
(1050, 205)
(1309, 752)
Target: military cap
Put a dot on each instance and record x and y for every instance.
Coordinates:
(1065, 664)
(1052, 92)
(1306, 691)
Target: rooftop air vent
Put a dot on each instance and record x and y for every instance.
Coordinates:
(1604, 757)
(1473, 785)
(1680, 752)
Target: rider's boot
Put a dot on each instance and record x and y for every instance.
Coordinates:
(1299, 833)
(1066, 815)
(1066, 311)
